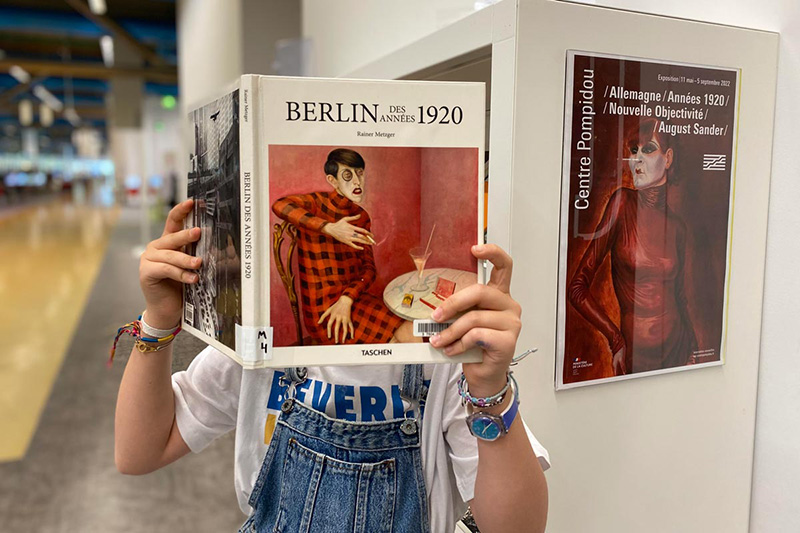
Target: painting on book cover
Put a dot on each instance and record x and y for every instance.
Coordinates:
(213, 305)
(649, 159)
(367, 239)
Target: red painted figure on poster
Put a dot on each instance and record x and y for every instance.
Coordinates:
(647, 245)
(336, 264)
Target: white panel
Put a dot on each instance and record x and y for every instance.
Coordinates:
(777, 461)
(501, 149)
(466, 35)
(347, 34)
(667, 453)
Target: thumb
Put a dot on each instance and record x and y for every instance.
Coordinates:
(503, 264)
(354, 217)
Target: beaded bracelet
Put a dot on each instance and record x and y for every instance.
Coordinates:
(143, 344)
(489, 401)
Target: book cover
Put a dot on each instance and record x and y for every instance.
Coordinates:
(355, 198)
(213, 306)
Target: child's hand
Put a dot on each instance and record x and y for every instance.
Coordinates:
(164, 267)
(492, 322)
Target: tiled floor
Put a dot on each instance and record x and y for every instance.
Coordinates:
(67, 481)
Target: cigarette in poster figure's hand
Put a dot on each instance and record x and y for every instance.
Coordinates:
(371, 239)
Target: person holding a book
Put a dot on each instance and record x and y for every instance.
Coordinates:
(329, 449)
(335, 260)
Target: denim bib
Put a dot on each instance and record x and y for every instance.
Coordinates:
(325, 475)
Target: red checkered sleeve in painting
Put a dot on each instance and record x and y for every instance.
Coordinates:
(368, 273)
(298, 210)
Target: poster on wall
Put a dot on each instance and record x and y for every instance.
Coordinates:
(646, 217)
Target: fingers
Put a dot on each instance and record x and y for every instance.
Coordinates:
(481, 296)
(501, 273)
(361, 240)
(155, 272)
(175, 258)
(351, 245)
(474, 320)
(326, 313)
(337, 323)
(368, 235)
(175, 241)
(352, 331)
(177, 215)
(487, 339)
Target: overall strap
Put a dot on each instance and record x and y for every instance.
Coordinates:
(413, 383)
(293, 377)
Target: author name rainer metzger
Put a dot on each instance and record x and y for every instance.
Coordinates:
(375, 134)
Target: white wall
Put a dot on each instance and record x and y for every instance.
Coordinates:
(347, 34)
(209, 48)
(379, 27)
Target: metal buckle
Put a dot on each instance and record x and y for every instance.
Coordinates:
(409, 426)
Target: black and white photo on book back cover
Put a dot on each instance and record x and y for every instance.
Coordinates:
(213, 305)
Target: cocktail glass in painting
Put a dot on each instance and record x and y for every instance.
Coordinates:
(420, 255)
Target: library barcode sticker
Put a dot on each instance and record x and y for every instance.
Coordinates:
(188, 314)
(429, 328)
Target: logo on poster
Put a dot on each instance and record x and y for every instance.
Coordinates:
(578, 364)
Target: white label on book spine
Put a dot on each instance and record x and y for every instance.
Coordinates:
(253, 344)
(429, 328)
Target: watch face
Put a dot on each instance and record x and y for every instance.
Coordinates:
(485, 428)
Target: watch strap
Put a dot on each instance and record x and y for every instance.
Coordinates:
(510, 413)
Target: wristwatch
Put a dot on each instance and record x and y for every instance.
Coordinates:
(488, 426)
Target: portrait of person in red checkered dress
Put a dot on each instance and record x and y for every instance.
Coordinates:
(336, 265)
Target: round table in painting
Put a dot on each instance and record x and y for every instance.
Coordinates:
(401, 285)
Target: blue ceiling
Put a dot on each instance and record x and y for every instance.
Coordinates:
(52, 31)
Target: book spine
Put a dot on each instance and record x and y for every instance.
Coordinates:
(251, 316)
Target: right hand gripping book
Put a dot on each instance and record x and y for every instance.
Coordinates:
(331, 210)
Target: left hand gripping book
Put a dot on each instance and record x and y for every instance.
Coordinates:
(324, 206)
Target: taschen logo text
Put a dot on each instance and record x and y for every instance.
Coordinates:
(384, 351)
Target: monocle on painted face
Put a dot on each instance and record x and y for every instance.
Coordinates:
(649, 164)
(349, 182)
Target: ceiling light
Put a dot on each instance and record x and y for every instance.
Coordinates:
(107, 49)
(19, 74)
(98, 7)
(47, 97)
(72, 116)
(45, 115)
(25, 112)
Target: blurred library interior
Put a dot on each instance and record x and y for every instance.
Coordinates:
(94, 137)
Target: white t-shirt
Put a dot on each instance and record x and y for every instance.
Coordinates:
(215, 395)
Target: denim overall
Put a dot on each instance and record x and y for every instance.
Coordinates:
(325, 475)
